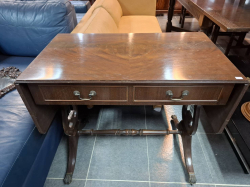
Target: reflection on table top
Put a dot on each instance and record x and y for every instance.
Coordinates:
(157, 57)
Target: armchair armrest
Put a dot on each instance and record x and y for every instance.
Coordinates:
(138, 7)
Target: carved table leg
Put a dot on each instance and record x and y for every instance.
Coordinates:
(70, 125)
(188, 126)
(183, 17)
(170, 15)
(72, 146)
(215, 33)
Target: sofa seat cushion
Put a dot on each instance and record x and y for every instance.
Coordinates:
(16, 61)
(25, 154)
(139, 24)
(99, 22)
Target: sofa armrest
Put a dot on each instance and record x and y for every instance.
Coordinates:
(26, 27)
(138, 7)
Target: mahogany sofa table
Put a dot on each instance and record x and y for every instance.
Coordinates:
(131, 69)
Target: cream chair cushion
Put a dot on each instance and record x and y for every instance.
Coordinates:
(139, 24)
(112, 7)
(99, 22)
(138, 7)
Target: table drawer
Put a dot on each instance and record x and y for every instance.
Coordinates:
(217, 93)
(65, 93)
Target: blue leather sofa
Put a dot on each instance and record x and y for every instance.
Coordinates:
(26, 27)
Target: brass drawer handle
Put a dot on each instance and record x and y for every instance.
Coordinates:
(91, 94)
(170, 93)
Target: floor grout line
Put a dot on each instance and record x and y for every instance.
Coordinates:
(147, 145)
(98, 123)
(157, 182)
(205, 156)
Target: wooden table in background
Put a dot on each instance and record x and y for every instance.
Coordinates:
(131, 69)
(163, 5)
(232, 16)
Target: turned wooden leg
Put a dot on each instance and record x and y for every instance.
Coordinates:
(183, 17)
(182, 8)
(70, 126)
(229, 45)
(72, 148)
(215, 33)
(170, 15)
(188, 126)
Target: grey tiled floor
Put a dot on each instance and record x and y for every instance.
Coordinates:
(150, 161)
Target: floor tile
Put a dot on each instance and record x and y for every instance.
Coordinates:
(223, 163)
(156, 120)
(123, 117)
(59, 183)
(179, 185)
(95, 183)
(227, 185)
(59, 164)
(166, 161)
(120, 158)
(191, 23)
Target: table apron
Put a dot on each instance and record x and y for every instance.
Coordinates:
(131, 94)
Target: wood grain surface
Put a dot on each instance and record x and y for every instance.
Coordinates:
(133, 58)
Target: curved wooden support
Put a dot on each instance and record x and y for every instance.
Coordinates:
(187, 143)
(70, 125)
(72, 146)
(189, 122)
(188, 126)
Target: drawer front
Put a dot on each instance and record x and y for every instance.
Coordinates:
(199, 93)
(65, 93)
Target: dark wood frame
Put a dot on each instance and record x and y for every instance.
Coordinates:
(239, 45)
(207, 26)
(186, 128)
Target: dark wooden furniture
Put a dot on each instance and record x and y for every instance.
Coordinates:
(231, 16)
(163, 5)
(131, 69)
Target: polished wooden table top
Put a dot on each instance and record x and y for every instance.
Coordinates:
(140, 58)
(230, 15)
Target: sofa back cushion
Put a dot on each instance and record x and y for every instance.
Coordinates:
(99, 22)
(27, 26)
(112, 7)
(138, 7)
